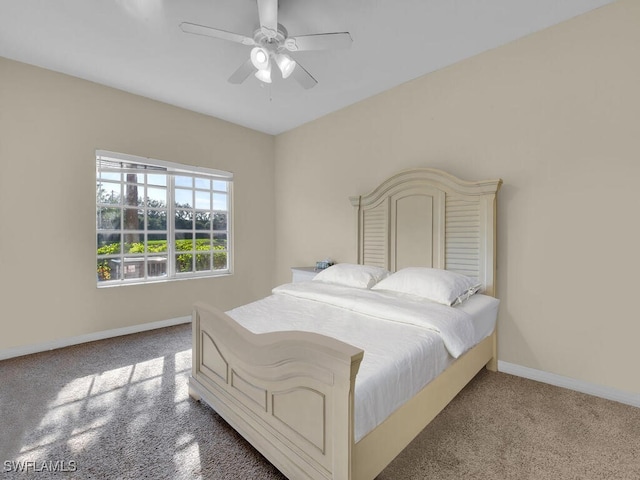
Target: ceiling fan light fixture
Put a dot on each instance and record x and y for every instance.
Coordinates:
(264, 75)
(286, 64)
(260, 58)
(270, 44)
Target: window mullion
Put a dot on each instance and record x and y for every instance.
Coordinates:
(194, 258)
(171, 260)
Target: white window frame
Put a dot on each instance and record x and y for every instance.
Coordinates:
(121, 263)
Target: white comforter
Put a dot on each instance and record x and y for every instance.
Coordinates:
(407, 343)
(454, 326)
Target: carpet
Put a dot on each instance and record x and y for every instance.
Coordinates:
(119, 408)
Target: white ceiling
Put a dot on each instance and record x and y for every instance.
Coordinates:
(137, 46)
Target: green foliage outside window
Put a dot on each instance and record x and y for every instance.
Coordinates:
(126, 209)
(184, 261)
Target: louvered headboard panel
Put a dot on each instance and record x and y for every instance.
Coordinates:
(375, 240)
(462, 236)
(427, 217)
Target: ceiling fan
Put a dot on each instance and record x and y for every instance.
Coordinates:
(270, 43)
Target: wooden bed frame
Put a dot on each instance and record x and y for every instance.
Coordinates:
(291, 394)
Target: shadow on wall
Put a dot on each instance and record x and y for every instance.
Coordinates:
(510, 247)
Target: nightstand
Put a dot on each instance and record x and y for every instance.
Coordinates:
(302, 274)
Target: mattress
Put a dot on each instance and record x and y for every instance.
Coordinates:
(406, 342)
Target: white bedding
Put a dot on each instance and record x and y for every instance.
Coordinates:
(407, 343)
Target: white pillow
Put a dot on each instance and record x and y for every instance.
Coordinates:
(442, 286)
(350, 275)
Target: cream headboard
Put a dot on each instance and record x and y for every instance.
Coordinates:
(427, 217)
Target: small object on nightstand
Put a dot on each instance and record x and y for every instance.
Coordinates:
(322, 264)
(302, 274)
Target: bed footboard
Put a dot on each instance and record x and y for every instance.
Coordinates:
(290, 394)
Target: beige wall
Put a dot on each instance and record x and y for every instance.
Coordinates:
(50, 127)
(557, 116)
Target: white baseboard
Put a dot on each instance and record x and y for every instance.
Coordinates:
(627, 398)
(89, 337)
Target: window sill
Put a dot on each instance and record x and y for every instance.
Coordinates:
(125, 283)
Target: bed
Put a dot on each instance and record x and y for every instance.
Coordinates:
(291, 392)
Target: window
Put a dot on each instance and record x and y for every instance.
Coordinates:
(157, 220)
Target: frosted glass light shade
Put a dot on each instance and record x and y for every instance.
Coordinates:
(259, 58)
(264, 75)
(285, 64)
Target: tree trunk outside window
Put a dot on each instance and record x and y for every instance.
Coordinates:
(131, 214)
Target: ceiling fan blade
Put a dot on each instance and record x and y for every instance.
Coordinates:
(303, 77)
(268, 14)
(241, 74)
(187, 27)
(320, 41)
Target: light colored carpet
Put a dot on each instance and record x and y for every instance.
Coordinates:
(119, 408)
